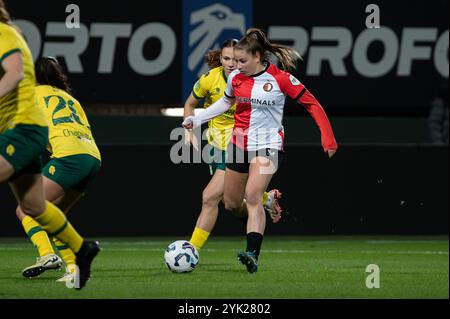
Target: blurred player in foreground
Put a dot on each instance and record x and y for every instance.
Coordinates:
(23, 138)
(75, 157)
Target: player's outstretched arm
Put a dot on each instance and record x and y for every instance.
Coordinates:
(216, 109)
(314, 108)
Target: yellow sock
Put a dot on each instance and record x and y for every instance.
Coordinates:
(56, 224)
(265, 198)
(64, 250)
(199, 237)
(38, 236)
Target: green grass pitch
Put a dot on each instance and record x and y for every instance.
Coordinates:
(290, 268)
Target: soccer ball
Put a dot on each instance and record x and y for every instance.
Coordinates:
(181, 256)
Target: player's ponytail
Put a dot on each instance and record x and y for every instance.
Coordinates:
(256, 40)
(212, 58)
(5, 17)
(49, 72)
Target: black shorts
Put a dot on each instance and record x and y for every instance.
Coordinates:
(239, 160)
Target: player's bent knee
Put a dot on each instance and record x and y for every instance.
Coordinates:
(253, 198)
(32, 209)
(210, 199)
(19, 213)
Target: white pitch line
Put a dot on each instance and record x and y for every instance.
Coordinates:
(277, 251)
(404, 241)
(159, 243)
(297, 251)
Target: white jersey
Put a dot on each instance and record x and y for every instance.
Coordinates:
(260, 100)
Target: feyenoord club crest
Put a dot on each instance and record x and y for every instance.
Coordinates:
(268, 87)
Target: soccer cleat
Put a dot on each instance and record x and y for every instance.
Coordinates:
(69, 276)
(84, 257)
(250, 261)
(272, 206)
(42, 264)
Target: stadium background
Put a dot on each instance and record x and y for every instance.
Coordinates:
(378, 86)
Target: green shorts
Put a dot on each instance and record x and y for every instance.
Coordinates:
(22, 147)
(217, 159)
(75, 172)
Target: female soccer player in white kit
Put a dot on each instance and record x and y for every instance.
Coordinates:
(259, 89)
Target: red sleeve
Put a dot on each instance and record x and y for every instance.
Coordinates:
(320, 117)
(289, 84)
(293, 88)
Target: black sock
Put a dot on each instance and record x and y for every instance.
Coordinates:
(254, 242)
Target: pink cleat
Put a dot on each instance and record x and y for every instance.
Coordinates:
(273, 205)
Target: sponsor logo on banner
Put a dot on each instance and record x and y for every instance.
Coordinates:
(206, 25)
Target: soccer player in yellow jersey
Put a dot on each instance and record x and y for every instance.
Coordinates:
(23, 138)
(210, 87)
(75, 158)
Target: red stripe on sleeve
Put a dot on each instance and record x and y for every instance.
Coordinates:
(320, 117)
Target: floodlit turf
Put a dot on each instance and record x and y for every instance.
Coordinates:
(290, 267)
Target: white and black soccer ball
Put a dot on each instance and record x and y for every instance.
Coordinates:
(181, 256)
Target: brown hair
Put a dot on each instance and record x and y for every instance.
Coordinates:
(6, 18)
(4, 15)
(256, 40)
(212, 58)
(49, 72)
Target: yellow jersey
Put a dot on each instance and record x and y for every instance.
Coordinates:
(69, 129)
(18, 106)
(211, 87)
